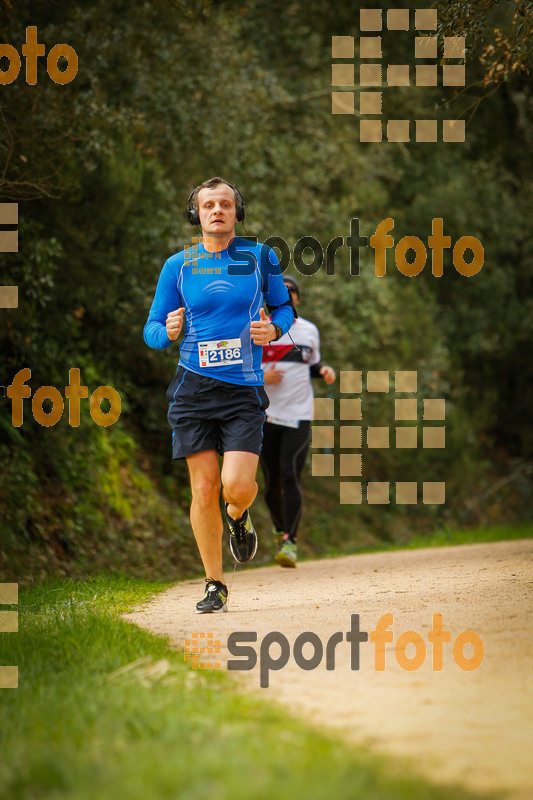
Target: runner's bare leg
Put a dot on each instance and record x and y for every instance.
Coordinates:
(206, 520)
(238, 481)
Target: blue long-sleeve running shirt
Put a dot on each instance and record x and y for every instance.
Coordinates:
(222, 294)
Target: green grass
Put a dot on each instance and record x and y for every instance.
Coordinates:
(495, 533)
(445, 537)
(73, 730)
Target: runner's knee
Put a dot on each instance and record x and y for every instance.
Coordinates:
(240, 489)
(205, 489)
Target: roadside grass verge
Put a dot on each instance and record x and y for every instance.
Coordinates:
(76, 729)
(441, 537)
(448, 536)
(495, 533)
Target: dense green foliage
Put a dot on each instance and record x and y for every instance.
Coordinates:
(169, 93)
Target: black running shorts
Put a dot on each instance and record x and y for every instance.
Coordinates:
(208, 414)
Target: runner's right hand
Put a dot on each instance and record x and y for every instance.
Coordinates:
(174, 323)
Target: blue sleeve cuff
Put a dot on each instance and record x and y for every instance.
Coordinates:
(284, 317)
(155, 335)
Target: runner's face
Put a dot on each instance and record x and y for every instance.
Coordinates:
(216, 209)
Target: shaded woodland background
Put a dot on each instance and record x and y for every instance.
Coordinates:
(170, 93)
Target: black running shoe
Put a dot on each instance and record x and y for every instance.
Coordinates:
(214, 599)
(242, 537)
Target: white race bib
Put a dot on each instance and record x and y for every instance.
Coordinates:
(220, 353)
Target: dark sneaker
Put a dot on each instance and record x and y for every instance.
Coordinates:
(288, 553)
(214, 599)
(242, 537)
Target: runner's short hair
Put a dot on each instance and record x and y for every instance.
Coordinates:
(210, 184)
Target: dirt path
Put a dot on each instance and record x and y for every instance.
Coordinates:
(472, 727)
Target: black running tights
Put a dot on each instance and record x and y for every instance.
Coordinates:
(282, 459)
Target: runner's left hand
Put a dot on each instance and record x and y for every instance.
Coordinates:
(262, 331)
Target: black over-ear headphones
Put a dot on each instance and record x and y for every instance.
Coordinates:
(194, 218)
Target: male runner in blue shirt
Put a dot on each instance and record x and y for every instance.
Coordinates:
(217, 400)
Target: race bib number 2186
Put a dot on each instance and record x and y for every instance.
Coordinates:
(220, 353)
